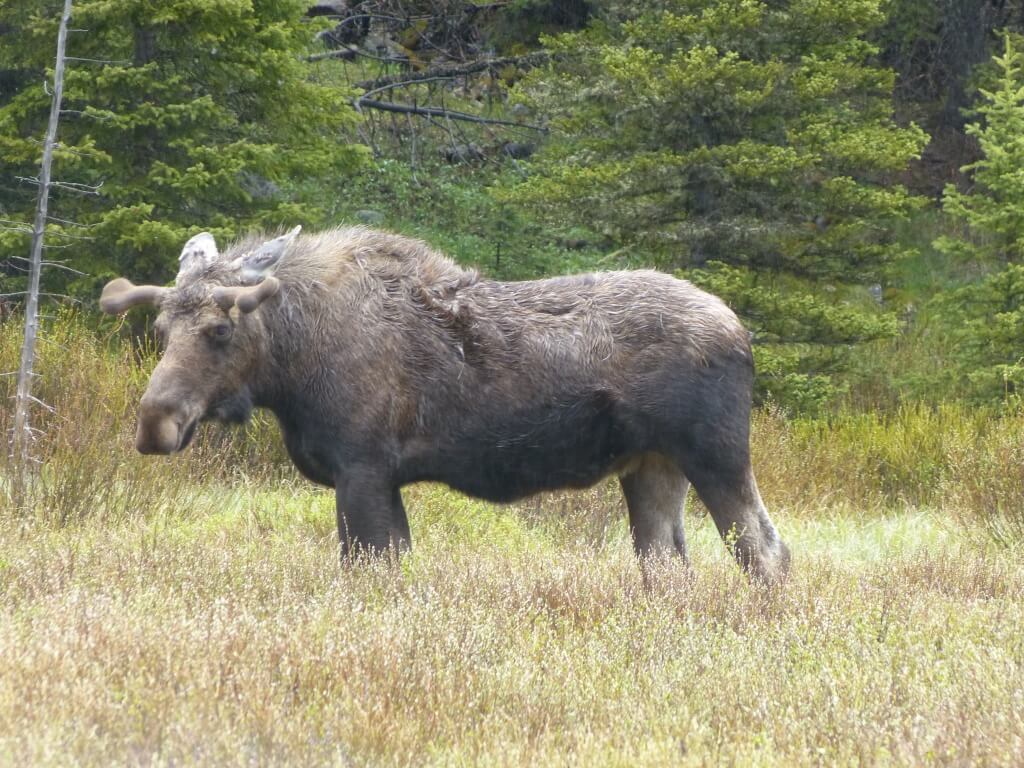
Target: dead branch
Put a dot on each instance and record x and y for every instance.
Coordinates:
(341, 53)
(451, 72)
(390, 86)
(48, 263)
(81, 189)
(119, 62)
(409, 109)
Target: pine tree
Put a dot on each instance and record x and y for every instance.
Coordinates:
(750, 144)
(993, 211)
(188, 115)
(989, 315)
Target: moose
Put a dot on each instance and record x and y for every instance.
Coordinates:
(386, 363)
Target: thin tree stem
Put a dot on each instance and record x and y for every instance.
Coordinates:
(22, 436)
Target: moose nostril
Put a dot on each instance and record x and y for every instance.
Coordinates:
(154, 406)
(151, 402)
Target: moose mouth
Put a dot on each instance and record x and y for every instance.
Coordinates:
(185, 435)
(233, 409)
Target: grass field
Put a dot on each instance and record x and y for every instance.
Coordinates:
(193, 610)
(227, 633)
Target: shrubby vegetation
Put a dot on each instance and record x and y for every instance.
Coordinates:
(452, 209)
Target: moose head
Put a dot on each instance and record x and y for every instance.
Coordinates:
(212, 333)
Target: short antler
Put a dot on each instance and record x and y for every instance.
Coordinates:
(246, 298)
(120, 295)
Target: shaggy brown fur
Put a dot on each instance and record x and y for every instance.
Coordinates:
(386, 363)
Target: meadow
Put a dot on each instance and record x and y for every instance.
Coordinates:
(193, 610)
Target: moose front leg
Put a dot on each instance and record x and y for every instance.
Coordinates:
(371, 518)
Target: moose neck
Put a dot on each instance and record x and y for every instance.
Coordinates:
(281, 379)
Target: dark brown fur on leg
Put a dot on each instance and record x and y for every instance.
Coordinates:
(655, 492)
(365, 513)
(401, 538)
(743, 523)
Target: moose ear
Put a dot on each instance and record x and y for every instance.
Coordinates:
(262, 262)
(199, 252)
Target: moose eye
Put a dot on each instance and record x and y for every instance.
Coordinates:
(220, 331)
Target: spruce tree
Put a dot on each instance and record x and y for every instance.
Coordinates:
(749, 144)
(989, 314)
(992, 212)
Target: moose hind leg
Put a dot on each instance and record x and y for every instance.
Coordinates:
(729, 491)
(655, 493)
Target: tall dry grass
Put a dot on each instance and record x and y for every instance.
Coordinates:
(963, 463)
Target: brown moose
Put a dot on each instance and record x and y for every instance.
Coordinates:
(386, 364)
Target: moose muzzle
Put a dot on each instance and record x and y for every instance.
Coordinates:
(162, 429)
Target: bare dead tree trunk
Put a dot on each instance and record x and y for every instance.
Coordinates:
(22, 438)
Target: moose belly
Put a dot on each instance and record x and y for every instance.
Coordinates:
(506, 457)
